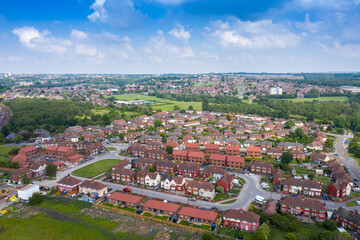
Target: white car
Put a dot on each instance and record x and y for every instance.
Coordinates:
(357, 202)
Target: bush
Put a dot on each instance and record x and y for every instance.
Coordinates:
(290, 236)
(13, 151)
(36, 199)
(330, 224)
(285, 222)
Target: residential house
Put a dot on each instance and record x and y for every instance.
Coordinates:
(232, 150)
(165, 166)
(212, 149)
(68, 183)
(157, 154)
(277, 176)
(218, 160)
(275, 153)
(216, 172)
(161, 208)
(254, 152)
(93, 187)
(235, 162)
(180, 155)
(194, 147)
(226, 182)
(261, 167)
(122, 199)
(298, 154)
(240, 219)
(123, 175)
(188, 170)
(302, 186)
(319, 157)
(303, 207)
(152, 179)
(196, 157)
(339, 189)
(29, 151)
(197, 216)
(144, 163)
(349, 219)
(201, 188)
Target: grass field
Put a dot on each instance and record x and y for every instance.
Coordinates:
(228, 202)
(164, 104)
(4, 150)
(351, 204)
(95, 169)
(320, 99)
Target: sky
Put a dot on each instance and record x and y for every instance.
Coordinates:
(179, 36)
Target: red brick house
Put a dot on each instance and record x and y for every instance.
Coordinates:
(157, 154)
(21, 159)
(51, 150)
(197, 216)
(349, 219)
(139, 151)
(123, 199)
(180, 155)
(161, 208)
(303, 207)
(201, 188)
(188, 170)
(254, 152)
(194, 147)
(144, 163)
(153, 146)
(218, 160)
(216, 172)
(226, 182)
(298, 154)
(235, 162)
(232, 150)
(165, 166)
(17, 174)
(123, 175)
(277, 176)
(275, 153)
(172, 139)
(76, 158)
(212, 149)
(302, 186)
(339, 189)
(261, 167)
(240, 219)
(196, 157)
(64, 151)
(68, 183)
(29, 151)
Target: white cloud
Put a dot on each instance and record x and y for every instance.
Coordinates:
(32, 38)
(348, 50)
(180, 33)
(12, 59)
(99, 13)
(264, 34)
(85, 50)
(171, 2)
(78, 34)
(309, 26)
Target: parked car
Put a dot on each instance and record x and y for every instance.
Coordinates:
(192, 199)
(129, 190)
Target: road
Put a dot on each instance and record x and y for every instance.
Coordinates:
(243, 200)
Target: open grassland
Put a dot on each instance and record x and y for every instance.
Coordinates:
(320, 99)
(95, 169)
(164, 104)
(4, 151)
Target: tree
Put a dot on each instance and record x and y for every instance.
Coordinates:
(219, 189)
(311, 176)
(36, 199)
(207, 236)
(25, 179)
(191, 107)
(289, 124)
(106, 119)
(228, 117)
(286, 157)
(182, 111)
(18, 138)
(157, 123)
(263, 232)
(205, 104)
(313, 93)
(169, 149)
(330, 224)
(176, 107)
(51, 170)
(151, 169)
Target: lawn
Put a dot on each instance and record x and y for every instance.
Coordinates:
(182, 222)
(95, 169)
(111, 148)
(242, 180)
(164, 104)
(320, 99)
(61, 224)
(147, 214)
(232, 233)
(127, 209)
(165, 218)
(219, 197)
(204, 226)
(228, 202)
(4, 150)
(351, 204)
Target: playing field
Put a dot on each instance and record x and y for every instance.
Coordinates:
(4, 151)
(320, 99)
(164, 104)
(95, 169)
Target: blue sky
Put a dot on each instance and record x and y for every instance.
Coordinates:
(179, 36)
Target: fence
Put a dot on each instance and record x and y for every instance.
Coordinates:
(96, 204)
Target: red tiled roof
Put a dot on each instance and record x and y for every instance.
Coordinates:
(196, 154)
(124, 197)
(69, 181)
(237, 159)
(198, 213)
(211, 146)
(171, 207)
(52, 148)
(180, 152)
(75, 156)
(27, 149)
(192, 145)
(20, 159)
(253, 149)
(217, 157)
(93, 185)
(242, 215)
(232, 148)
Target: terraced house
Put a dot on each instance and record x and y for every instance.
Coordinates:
(302, 186)
(180, 155)
(201, 188)
(349, 219)
(240, 219)
(196, 157)
(303, 207)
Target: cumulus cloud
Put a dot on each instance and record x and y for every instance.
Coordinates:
(99, 13)
(180, 33)
(78, 34)
(161, 48)
(309, 26)
(32, 38)
(85, 50)
(344, 50)
(263, 34)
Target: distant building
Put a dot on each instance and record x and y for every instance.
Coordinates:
(275, 91)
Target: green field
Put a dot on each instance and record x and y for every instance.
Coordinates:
(4, 150)
(164, 104)
(95, 169)
(320, 99)
(228, 202)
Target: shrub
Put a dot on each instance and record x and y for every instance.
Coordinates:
(36, 199)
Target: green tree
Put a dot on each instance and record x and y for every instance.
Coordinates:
(169, 149)
(228, 117)
(311, 176)
(157, 123)
(219, 189)
(182, 111)
(18, 138)
(106, 119)
(191, 107)
(205, 104)
(286, 157)
(36, 199)
(151, 169)
(330, 224)
(51, 170)
(25, 179)
(290, 124)
(176, 107)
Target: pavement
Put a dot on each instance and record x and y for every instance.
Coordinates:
(247, 194)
